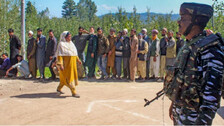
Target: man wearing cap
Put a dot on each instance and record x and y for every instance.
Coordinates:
(40, 52)
(126, 54)
(154, 55)
(163, 48)
(103, 49)
(134, 52)
(142, 56)
(196, 83)
(111, 55)
(15, 47)
(31, 54)
(148, 40)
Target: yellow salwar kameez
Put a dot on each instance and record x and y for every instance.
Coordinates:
(67, 57)
(69, 76)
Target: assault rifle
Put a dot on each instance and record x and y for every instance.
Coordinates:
(158, 95)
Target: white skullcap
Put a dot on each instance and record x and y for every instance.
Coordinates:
(31, 32)
(126, 30)
(144, 29)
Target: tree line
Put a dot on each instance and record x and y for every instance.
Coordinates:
(83, 14)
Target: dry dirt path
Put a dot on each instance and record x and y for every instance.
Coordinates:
(101, 103)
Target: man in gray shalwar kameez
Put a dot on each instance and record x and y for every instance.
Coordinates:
(40, 52)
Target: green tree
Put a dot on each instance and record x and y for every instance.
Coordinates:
(31, 17)
(86, 9)
(69, 8)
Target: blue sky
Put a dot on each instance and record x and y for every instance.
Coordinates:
(106, 6)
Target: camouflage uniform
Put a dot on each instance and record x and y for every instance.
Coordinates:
(195, 87)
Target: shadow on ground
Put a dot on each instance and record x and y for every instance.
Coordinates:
(221, 112)
(115, 80)
(40, 95)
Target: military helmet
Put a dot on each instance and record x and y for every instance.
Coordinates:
(196, 10)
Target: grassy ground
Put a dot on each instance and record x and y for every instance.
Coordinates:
(47, 73)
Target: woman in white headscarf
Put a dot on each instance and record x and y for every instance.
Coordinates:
(67, 57)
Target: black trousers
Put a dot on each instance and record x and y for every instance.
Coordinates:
(2, 73)
(53, 76)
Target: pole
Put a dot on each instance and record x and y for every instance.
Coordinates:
(213, 16)
(23, 27)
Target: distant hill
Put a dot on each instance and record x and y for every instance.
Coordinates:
(143, 16)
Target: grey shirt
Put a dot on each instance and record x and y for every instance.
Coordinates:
(80, 42)
(23, 66)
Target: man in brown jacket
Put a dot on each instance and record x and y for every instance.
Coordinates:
(134, 52)
(103, 49)
(31, 54)
(111, 54)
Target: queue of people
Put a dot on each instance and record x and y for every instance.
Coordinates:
(135, 55)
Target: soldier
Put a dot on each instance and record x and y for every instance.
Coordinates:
(196, 83)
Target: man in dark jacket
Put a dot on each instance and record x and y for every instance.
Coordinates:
(15, 47)
(91, 57)
(163, 48)
(31, 54)
(126, 54)
(103, 49)
(80, 41)
(50, 53)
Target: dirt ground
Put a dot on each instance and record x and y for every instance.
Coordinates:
(25, 102)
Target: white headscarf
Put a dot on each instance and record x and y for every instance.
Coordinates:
(66, 48)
